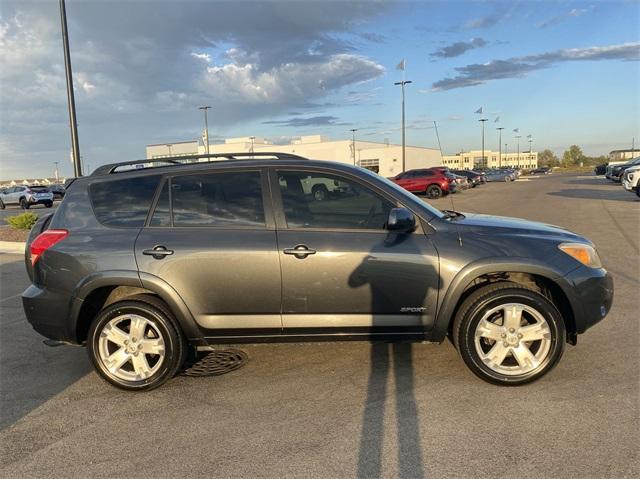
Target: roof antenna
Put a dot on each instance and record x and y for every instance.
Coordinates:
(453, 208)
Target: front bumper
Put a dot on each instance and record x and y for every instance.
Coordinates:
(590, 294)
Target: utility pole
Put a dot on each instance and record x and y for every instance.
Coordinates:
(353, 144)
(206, 128)
(484, 161)
(402, 84)
(253, 139)
(71, 102)
(169, 145)
(500, 128)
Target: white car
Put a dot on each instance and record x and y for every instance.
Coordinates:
(631, 179)
(26, 196)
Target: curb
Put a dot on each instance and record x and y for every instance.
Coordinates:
(12, 247)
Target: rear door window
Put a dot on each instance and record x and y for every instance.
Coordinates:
(123, 203)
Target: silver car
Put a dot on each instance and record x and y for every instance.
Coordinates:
(500, 175)
(26, 196)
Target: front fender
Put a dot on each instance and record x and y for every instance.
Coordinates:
(466, 275)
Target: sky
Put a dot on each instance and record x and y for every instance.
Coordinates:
(563, 72)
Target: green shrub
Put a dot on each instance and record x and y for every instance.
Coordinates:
(25, 221)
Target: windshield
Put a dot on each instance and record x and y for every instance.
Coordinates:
(405, 195)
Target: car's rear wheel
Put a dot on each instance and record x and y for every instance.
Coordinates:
(320, 192)
(509, 335)
(24, 204)
(49, 204)
(2, 206)
(433, 192)
(136, 344)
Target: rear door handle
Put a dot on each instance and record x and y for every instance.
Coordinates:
(158, 252)
(300, 251)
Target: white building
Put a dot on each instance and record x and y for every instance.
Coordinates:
(469, 160)
(383, 158)
(624, 155)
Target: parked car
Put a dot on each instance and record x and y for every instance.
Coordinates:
(631, 179)
(610, 167)
(58, 191)
(543, 170)
(500, 175)
(26, 196)
(618, 170)
(144, 265)
(474, 178)
(600, 169)
(461, 182)
(432, 183)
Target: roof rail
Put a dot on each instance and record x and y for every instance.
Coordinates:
(188, 160)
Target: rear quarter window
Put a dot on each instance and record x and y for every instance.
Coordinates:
(123, 203)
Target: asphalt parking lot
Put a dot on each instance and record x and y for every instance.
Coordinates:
(349, 409)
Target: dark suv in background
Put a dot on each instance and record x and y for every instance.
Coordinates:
(144, 261)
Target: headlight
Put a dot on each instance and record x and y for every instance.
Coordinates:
(584, 253)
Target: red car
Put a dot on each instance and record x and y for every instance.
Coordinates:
(431, 182)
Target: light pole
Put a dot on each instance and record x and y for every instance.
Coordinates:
(206, 127)
(71, 102)
(530, 140)
(402, 84)
(500, 128)
(484, 162)
(253, 139)
(57, 174)
(353, 144)
(518, 160)
(169, 145)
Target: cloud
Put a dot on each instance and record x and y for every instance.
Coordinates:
(202, 56)
(372, 37)
(484, 22)
(518, 67)
(458, 48)
(573, 13)
(311, 121)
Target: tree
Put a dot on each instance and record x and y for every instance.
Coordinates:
(573, 156)
(548, 158)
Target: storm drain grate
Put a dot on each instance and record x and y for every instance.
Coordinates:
(217, 363)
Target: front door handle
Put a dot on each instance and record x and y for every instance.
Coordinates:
(300, 251)
(158, 252)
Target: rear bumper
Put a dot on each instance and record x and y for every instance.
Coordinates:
(47, 312)
(40, 201)
(591, 296)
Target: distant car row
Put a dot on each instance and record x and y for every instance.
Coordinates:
(627, 173)
(28, 196)
(439, 181)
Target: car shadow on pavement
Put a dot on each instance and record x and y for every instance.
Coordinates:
(412, 285)
(30, 372)
(592, 194)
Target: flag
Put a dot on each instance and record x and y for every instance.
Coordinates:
(401, 65)
(516, 130)
(479, 110)
(497, 119)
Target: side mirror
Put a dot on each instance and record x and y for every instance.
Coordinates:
(401, 220)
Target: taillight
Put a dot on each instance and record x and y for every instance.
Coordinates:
(44, 241)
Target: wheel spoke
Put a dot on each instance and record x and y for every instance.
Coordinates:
(115, 361)
(512, 315)
(140, 365)
(525, 358)
(535, 332)
(138, 326)
(487, 329)
(114, 334)
(152, 346)
(496, 354)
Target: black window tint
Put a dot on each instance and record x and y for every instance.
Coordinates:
(162, 215)
(318, 200)
(123, 202)
(218, 199)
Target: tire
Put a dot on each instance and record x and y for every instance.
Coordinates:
(2, 206)
(637, 193)
(508, 360)
(109, 335)
(433, 192)
(320, 192)
(24, 204)
(48, 205)
(507, 179)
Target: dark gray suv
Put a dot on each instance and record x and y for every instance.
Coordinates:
(146, 261)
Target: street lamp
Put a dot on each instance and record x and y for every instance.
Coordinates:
(206, 127)
(500, 128)
(484, 161)
(252, 138)
(169, 145)
(518, 160)
(402, 84)
(353, 144)
(57, 174)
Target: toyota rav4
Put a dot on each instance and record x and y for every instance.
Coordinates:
(143, 264)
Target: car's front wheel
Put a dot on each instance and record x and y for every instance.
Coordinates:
(508, 334)
(136, 344)
(433, 191)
